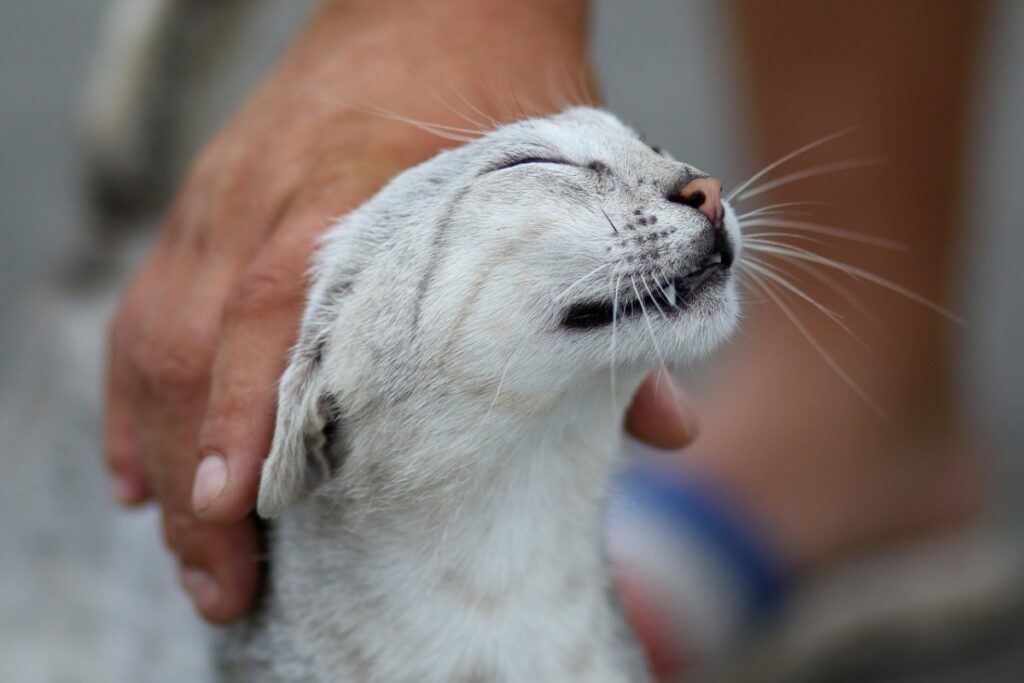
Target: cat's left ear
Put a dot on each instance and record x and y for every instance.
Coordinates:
(310, 437)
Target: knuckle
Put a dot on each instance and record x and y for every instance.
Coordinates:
(262, 292)
(118, 452)
(121, 325)
(206, 164)
(178, 528)
(170, 368)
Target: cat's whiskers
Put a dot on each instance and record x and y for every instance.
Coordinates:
(565, 292)
(668, 279)
(501, 382)
(655, 301)
(793, 252)
(558, 96)
(843, 292)
(515, 95)
(662, 365)
(775, 275)
(494, 123)
(479, 126)
(647, 323)
(441, 130)
(812, 172)
(583, 77)
(783, 228)
(777, 242)
(650, 293)
(761, 236)
(772, 208)
(828, 230)
(615, 312)
(783, 159)
(776, 297)
(572, 86)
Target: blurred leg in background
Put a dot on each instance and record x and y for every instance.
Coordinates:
(808, 460)
(827, 473)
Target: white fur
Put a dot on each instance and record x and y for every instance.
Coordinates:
(449, 527)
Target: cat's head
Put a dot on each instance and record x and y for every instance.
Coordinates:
(526, 262)
(571, 231)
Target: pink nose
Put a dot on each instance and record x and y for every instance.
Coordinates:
(705, 195)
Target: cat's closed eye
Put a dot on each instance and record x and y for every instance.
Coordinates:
(529, 160)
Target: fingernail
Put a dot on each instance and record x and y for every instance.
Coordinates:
(211, 478)
(202, 588)
(122, 490)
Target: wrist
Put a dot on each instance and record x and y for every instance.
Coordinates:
(405, 56)
(308, 132)
(440, 62)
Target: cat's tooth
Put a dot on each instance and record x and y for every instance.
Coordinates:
(670, 293)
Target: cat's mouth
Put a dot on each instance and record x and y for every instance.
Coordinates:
(671, 298)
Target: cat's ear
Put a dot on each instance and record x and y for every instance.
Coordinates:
(311, 434)
(310, 437)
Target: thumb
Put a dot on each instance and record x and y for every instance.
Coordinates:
(661, 414)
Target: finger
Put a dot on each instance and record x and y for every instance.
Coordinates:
(128, 481)
(218, 564)
(171, 369)
(261, 319)
(127, 477)
(185, 332)
(661, 414)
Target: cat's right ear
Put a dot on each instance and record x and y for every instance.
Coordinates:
(310, 437)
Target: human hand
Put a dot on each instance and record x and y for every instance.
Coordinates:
(203, 333)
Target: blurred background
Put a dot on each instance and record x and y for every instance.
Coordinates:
(86, 592)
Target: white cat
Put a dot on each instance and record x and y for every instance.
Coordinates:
(450, 418)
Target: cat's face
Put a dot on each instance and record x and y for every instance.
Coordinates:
(512, 272)
(573, 236)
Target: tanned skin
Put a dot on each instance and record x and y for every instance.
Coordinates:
(202, 334)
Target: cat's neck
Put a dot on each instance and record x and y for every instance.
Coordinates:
(510, 559)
